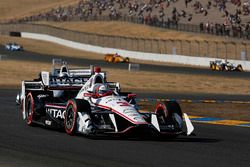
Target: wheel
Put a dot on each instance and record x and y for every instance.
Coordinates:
(239, 68)
(126, 60)
(169, 113)
(73, 107)
(223, 67)
(29, 109)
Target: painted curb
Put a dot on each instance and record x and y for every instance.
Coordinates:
(220, 121)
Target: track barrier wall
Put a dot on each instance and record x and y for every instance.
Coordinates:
(180, 59)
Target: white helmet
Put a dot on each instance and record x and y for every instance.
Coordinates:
(102, 90)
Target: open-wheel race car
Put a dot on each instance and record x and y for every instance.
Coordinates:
(116, 58)
(220, 65)
(82, 101)
(13, 47)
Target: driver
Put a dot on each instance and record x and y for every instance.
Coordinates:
(101, 90)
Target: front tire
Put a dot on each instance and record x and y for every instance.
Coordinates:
(73, 107)
(169, 113)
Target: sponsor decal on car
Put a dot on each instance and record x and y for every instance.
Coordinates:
(55, 112)
(42, 96)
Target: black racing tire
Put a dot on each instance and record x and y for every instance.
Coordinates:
(223, 67)
(126, 60)
(74, 106)
(169, 111)
(239, 68)
(29, 109)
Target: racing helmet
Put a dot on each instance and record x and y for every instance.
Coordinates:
(102, 90)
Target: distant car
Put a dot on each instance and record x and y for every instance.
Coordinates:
(116, 58)
(13, 47)
(219, 65)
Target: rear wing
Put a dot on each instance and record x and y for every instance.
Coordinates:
(46, 81)
(73, 72)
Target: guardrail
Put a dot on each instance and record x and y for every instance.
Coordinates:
(237, 50)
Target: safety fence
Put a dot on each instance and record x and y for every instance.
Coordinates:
(217, 29)
(237, 50)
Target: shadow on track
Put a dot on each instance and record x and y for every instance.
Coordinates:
(180, 139)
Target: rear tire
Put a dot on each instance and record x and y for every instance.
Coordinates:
(239, 68)
(29, 109)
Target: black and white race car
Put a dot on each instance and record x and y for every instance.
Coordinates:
(13, 47)
(224, 65)
(82, 101)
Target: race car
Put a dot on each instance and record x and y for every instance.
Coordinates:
(87, 104)
(13, 47)
(219, 65)
(116, 58)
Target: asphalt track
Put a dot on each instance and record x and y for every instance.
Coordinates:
(21, 145)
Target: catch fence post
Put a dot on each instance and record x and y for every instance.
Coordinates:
(181, 47)
(217, 49)
(190, 47)
(245, 49)
(236, 51)
(207, 48)
(225, 45)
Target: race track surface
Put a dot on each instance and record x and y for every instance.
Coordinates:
(21, 145)
(26, 55)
